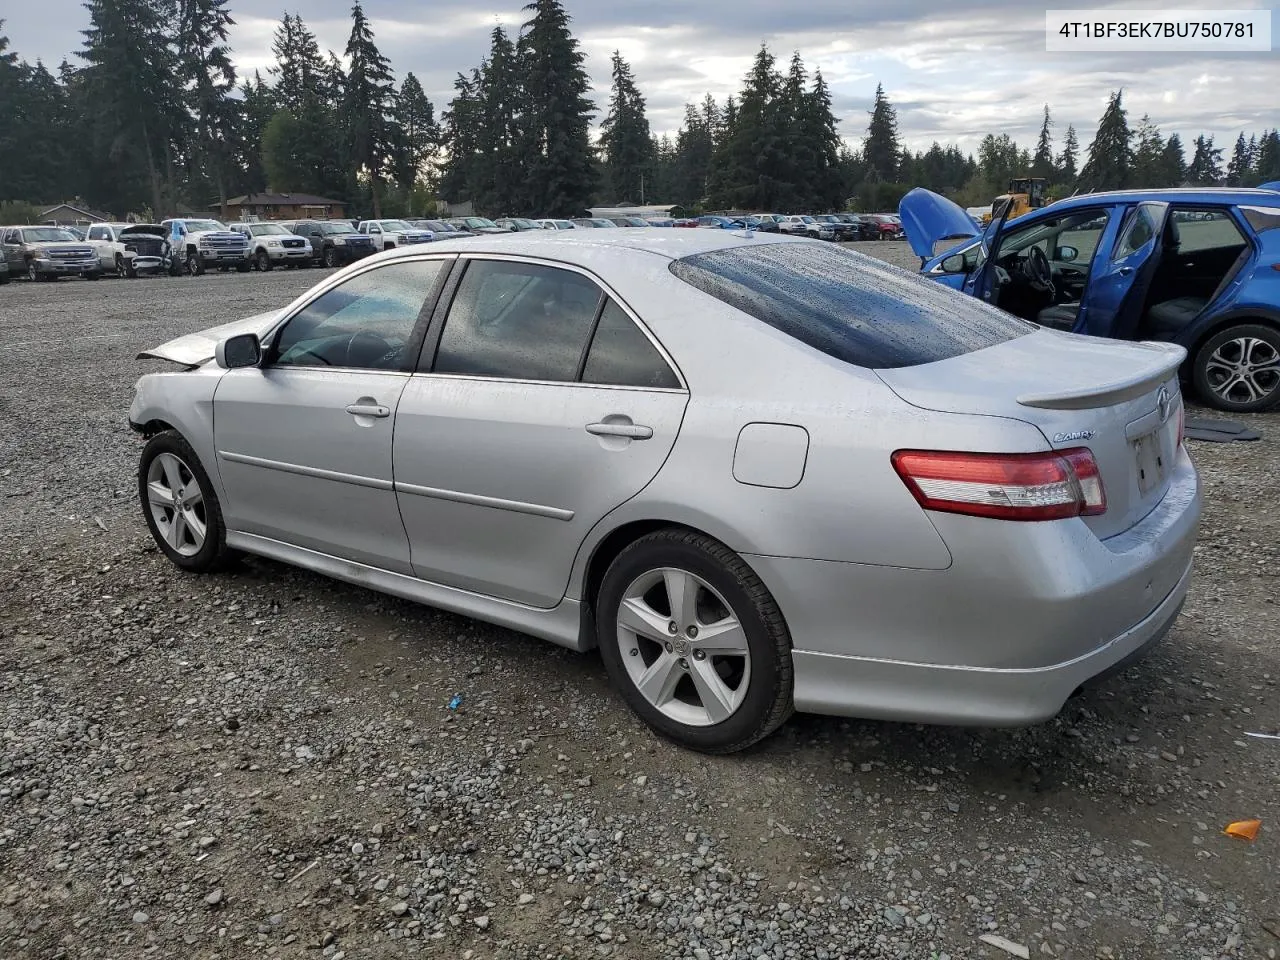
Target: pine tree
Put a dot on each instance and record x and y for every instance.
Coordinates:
(299, 69)
(626, 148)
(750, 162)
(1069, 156)
(881, 150)
(501, 164)
(416, 117)
(695, 144)
(132, 118)
(1042, 162)
(819, 128)
(1205, 168)
(1267, 166)
(1240, 168)
(207, 78)
(557, 114)
(1173, 163)
(463, 124)
(257, 107)
(1148, 155)
(799, 172)
(1110, 162)
(368, 99)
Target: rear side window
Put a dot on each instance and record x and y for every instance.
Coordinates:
(1262, 218)
(847, 305)
(622, 355)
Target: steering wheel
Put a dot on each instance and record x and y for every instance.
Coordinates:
(367, 350)
(1037, 269)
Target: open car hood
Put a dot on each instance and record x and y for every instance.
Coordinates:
(194, 349)
(151, 229)
(928, 218)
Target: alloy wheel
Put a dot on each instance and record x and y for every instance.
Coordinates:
(1244, 370)
(683, 647)
(177, 504)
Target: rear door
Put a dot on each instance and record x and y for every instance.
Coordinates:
(1117, 290)
(545, 406)
(304, 440)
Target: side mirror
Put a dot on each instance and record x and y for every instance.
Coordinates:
(242, 350)
(1066, 254)
(953, 263)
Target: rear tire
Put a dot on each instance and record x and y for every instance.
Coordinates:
(1238, 369)
(241, 267)
(187, 525)
(712, 700)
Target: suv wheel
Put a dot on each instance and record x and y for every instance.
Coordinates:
(1238, 369)
(263, 261)
(194, 263)
(330, 257)
(32, 273)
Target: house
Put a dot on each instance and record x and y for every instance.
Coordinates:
(281, 206)
(71, 215)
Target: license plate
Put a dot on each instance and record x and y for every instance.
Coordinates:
(1150, 461)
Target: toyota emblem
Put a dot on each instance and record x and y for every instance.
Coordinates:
(1163, 403)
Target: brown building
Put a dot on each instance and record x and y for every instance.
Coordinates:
(282, 206)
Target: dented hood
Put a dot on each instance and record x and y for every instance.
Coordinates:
(195, 348)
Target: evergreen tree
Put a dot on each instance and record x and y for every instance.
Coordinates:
(257, 107)
(1267, 166)
(1240, 167)
(131, 118)
(463, 124)
(694, 146)
(501, 167)
(1069, 156)
(299, 69)
(825, 188)
(1205, 169)
(1148, 156)
(1173, 163)
(416, 118)
(1042, 163)
(881, 150)
(368, 98)
(1110, 162)
(557, 114)
(207, 78)
(626, 148)
(799, 171)
(750, 165)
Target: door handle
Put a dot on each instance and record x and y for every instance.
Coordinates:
(1125, 271)
(368, 410)
(632, 431)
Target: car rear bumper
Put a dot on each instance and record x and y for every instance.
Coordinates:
(1025, 614)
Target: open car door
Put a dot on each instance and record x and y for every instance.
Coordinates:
(1121, 278)
(980, 281)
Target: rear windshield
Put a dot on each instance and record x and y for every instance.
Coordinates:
(847, 305)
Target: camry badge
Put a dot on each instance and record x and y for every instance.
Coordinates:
(1069, 437)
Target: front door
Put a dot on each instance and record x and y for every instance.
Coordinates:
(304, 440)
(12, 242)
(1118, 288)
(546, 407)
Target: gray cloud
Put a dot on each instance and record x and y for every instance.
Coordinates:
(954, 72)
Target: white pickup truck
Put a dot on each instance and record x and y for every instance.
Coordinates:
(128, 249)
(388, 234)
(273, 244)
(199, 244)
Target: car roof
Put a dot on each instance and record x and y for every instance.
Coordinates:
(1218, 196)
(560, 244)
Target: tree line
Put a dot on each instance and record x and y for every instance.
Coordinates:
(154, 119)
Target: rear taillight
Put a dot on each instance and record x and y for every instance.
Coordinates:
(1005, 486)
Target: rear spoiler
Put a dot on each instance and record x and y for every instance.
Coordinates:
(1166, 359)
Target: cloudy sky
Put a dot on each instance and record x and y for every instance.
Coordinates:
(955, 70)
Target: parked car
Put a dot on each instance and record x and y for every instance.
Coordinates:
(802, 225)
(274, 244)
(518, 224)
(4, 264)
(1193, 267)
(129, 249)
(477, 225)
(334, 243)
(862, 229)
(389, 234)
(887, 227)
(686, 222)
(661, 221)
(630, 222)
(196, 245)
(47, 253)
(594, 223)
(552, 224)
(841, 229)
(752, 222)
(699, 526)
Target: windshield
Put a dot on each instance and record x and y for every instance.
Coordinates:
(48, 235)
(202, 226)
(395, 225)
(478, 222)
(332, 228)
(268, 230)
(808, 220)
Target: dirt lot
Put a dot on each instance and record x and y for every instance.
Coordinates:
(263, 763)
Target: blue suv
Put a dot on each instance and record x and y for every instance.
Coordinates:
(1199, 267)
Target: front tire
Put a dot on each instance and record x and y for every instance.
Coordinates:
(264, 261)
(179, 505)
(195, 262)
(331, 257)
(695, 642)
(1238, 369)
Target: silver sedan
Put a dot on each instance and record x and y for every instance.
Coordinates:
(760, 474)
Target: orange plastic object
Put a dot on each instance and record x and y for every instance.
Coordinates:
(1244, 829)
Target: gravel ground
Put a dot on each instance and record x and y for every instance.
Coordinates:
(263, 763)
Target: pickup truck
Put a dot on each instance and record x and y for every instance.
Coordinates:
(200, 244)
(389, 234)
(128, 249)
(334, 243)
(274, 243)
(47, 253)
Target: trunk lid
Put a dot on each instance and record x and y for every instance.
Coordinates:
(1120, 400)
(194, 349)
